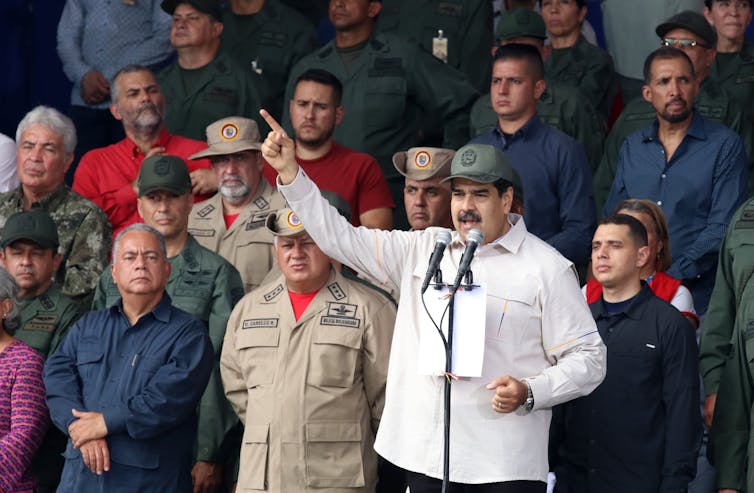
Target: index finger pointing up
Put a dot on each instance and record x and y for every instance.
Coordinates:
(274, 125)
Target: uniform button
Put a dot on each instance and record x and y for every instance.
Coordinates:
(659, 202)
(610, 330)
(663, 176)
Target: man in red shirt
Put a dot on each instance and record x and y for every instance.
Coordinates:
(315, 112)
(107, 176)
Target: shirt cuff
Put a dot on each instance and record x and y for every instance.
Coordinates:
(298, 189)
(115, 420)
(540, 391)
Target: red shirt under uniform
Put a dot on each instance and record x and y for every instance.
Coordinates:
(105, 175)
(355, 176)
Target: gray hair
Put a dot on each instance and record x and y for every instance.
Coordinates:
(52, 119)
(140, 227)
(9, 291)
(128, 69)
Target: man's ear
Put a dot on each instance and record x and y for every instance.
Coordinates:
(642, 257)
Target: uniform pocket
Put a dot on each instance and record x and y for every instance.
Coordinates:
(334, 356)
(252, 473)
(384, 101)
(258, 350)
(513, 312)
(333, 455)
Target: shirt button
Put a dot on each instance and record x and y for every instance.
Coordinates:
(610, 330)
(659, 202)
(663, 176)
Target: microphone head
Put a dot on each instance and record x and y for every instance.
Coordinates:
(443, 237)
(475, 236)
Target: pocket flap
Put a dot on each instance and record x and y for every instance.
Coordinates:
(333, 432)
(256, 433)
(84, 357)
(520, 292)
(258, 337)
(341, 336)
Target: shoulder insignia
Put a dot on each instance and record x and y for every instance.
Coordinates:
(203, 233)
(272, 294)
(205, 210)
(354, 323)
(189, 258)
(46, 302)
(341, 310)
(261, 203)
(336, 291)
(255, 323)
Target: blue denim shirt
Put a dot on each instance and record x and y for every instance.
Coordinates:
(558, 199)
(699, 189)
(146, 379)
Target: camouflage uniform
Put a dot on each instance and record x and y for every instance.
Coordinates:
(205, 285)
(84, 232)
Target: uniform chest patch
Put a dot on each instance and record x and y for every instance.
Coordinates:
(255, 323)
(341, 310)
(272, 294)
(202, 233)
(336, 291)
(256, 220)
(261, 203)
(46, 302)
(353, 323)
(204, 211)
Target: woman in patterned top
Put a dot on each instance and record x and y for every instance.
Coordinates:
(23, 413)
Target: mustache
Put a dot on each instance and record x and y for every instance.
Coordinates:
(676, 100)
(228, 178)
(469, 216)
(26, 270)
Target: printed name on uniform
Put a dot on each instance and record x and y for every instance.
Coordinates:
(204, 233)
(256, 323)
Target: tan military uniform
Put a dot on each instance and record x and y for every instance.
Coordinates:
(309, 392)
(247, 244)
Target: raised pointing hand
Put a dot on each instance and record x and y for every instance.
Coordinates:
(279, 150)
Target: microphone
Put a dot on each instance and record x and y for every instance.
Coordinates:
(441, 241)
(473, 240)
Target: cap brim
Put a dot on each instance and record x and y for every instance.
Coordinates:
(477, 177)
(224, 148)
(399, 162)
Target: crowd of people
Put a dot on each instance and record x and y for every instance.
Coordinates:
(225, 269)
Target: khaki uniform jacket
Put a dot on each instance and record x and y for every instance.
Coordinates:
(310, 392)
(247, 244)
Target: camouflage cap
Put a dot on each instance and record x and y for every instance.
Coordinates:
(211, 7)
(231, 135)
(521, 22)
(36, 226)
(422, 163)
(284, 222)
(484, 164)
(690, 21)
(164, 172)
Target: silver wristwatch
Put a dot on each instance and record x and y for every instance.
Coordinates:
(528, 404)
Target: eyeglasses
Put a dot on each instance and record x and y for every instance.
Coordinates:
(682, 43)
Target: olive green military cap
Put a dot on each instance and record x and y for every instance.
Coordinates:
(211, 7)
(690, 21)
(484, 164)
(422, 163)
(164, 172)
(231, 135)
(521, 22)
(36, 226)
(284, 222)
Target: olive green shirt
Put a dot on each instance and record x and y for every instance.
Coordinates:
(84, 233)
(218, 90)
(563, 107)
(586, 68)
(726, 349)
(45, 319)
(712, 102)
(386, 94)
(466, 24)
(268, 43)
(205, 285)
(734, 72)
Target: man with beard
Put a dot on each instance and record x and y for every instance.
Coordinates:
(693, 168)
(107, 176)
(315, 111)
(231, 223)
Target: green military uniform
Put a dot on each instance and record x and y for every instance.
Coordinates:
(587, 68)
(45, 319)
(465, 24)
(246, 244)
(205, 285)
(726, 352)
(734, 72)
(269, 43)
(219, 89)
(84, 232)
(712, 102)
(387, 92)
(563, 107)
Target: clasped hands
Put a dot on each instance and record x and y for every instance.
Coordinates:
(88, 434)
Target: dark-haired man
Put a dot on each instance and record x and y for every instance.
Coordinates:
(640, 430)
(558, 204)
(316, 110)
(693, 168)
